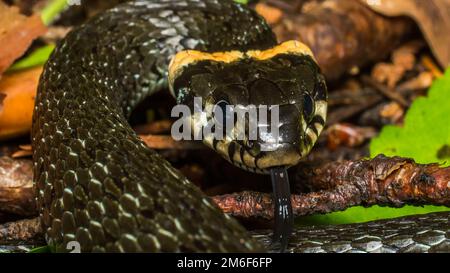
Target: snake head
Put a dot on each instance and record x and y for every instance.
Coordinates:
(261, 109)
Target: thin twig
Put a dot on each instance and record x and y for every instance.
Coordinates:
(386, 91)
(162, 142)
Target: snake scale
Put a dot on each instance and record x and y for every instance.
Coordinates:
(97, 182)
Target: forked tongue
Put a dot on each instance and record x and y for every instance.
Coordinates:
(283, 209)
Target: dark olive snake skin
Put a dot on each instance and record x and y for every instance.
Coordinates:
(97, 182)
(412, 234)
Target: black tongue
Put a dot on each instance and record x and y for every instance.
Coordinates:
(283, 209)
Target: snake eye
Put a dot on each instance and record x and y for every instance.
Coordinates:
(308, 106)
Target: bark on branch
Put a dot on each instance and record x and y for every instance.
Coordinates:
(23, 230)
(16, 187)
(331, 186)
(336, 186)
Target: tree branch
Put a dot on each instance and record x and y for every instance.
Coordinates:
(331, 186)
(336, 186)
(16, 187)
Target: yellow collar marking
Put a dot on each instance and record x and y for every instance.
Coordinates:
(186, 57)
(292, 47)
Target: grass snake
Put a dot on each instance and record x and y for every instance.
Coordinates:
(97, 182)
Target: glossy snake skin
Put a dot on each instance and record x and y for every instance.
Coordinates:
(97, 182)
(412, 234)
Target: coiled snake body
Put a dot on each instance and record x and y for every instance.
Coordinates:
(99, 185)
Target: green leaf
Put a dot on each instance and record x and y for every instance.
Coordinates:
(41, 249)
(425, 137)
(360, 214)
(52, 10)
(245, 2)
(37, 57)
(40, 56)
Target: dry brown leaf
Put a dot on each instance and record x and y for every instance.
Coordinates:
(432, 16)
(271, 14)
(345, 35)
(393, 111)
(422, 81)
(16, 34)
(26, 147)
(387, 73)
(22, 154)
(19, 90)
(403, 60)
(349, 135)
(24, 151)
